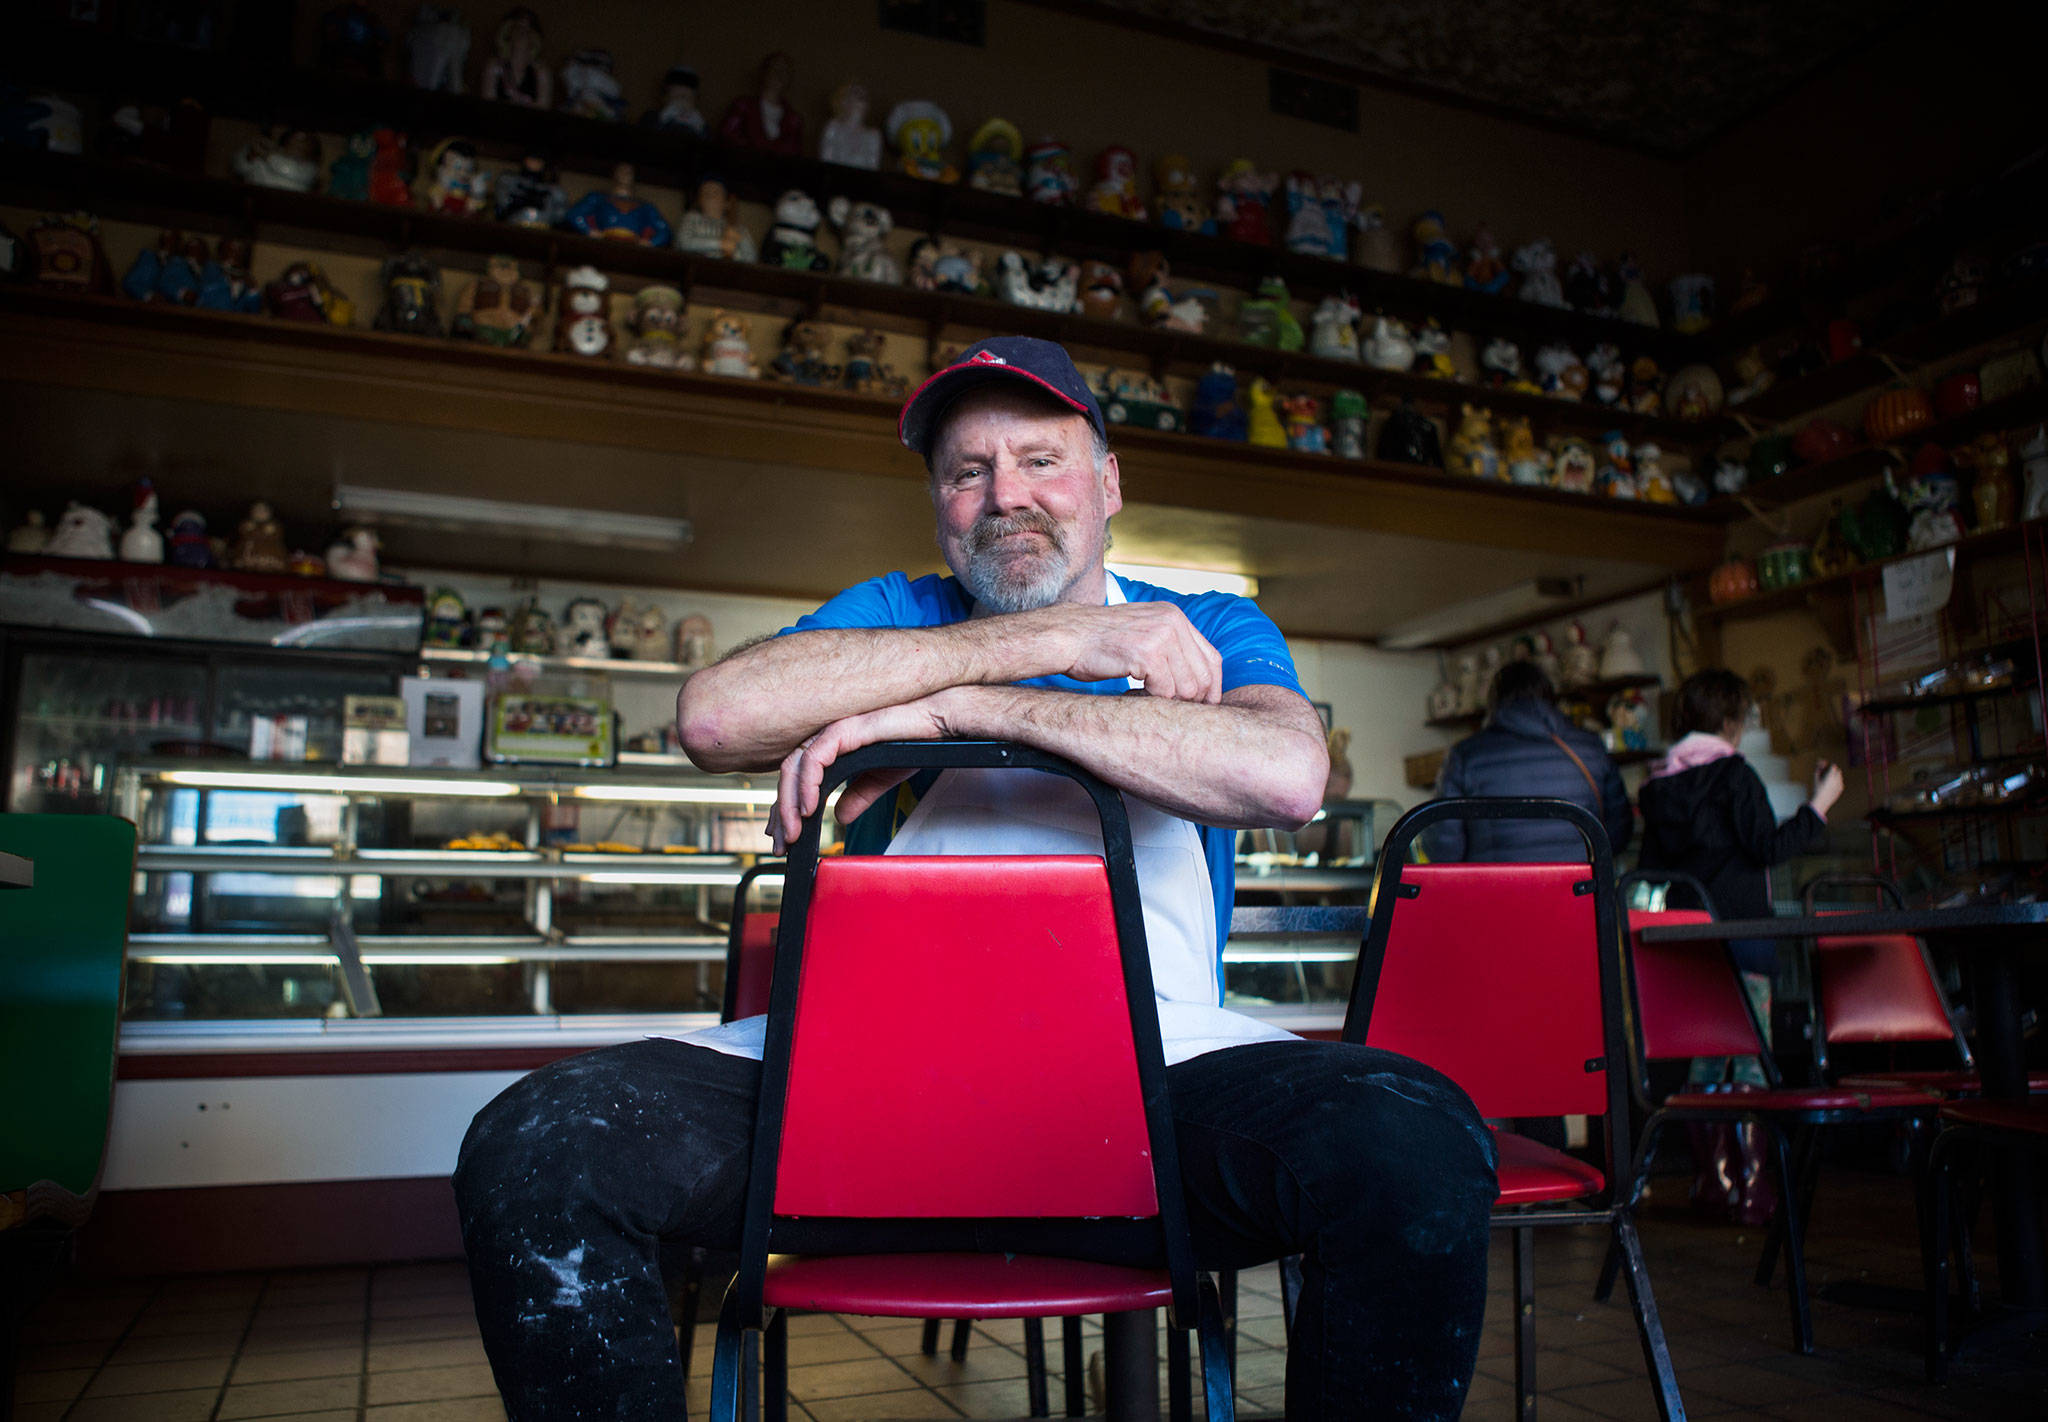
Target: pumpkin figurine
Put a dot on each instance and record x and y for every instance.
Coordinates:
(1897, 413)
(1733, 580)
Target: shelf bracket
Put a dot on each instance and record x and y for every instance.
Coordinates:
(356, 988)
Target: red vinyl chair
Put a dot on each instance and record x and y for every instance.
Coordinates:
(1507, 978)
(1881, 989)
(749, 967)
(1689, 1003)
(910, 991)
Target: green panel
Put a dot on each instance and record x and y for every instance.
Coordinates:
(62, 947)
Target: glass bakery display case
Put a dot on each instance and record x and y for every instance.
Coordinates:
(79, 705)
(280, 898)
(302, 891)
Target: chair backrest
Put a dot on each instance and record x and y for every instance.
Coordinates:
(1875, 987)
(749, 948)
(1879, 987)
(63, 946)
(938, 1024)
(1491, 976)
(930, 986)
(1688, 996)
(1505, 977)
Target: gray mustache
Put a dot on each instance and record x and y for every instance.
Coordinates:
(987, 531)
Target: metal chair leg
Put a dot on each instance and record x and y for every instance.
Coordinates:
(1130, 1357)
(1934, 1190)
(1290, 1290)
(728, 1361)
(1649, 1325)
(1034, 1367)
(1073, 1367)
(775, 1368)
(1180, 1403)
(1791, 1227)
(1219, 1366)
(930, 1343)
(1226, 1298)
(1525, 1324)
(1791, 1206)
(963, 1329)
(1646, 1151)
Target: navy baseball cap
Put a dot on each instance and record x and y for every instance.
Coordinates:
(1044, 365)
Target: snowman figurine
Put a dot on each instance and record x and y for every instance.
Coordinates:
(141, 543)
(1581, 662)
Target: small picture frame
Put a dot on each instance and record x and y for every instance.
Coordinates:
(550, 730)
(1325, 710)
(444, 721)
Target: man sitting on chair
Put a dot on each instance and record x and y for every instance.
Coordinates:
(1375, 1169)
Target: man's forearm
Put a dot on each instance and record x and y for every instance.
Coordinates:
(748, 711)
(1256, 761)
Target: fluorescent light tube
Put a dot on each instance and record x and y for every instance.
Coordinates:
(336, 784)
(662, 876)
(676, 794)
(560, 523)
(1533, 600)
(1188, 580)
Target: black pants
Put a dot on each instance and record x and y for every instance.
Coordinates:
(1375, 1169)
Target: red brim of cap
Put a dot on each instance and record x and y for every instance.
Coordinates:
(929, 400)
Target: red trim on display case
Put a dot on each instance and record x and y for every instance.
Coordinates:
(179, 1066)
(303, 1225)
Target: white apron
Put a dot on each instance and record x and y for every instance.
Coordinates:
(1034, 812)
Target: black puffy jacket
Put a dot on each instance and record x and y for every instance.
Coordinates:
(1516, 753)
(1715, 823)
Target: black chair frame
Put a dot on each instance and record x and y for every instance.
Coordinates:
(1613, 1206)
(1194, 1299)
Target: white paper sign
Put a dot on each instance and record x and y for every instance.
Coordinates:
(1914, 587)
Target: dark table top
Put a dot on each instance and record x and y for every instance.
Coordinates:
(1987, 923)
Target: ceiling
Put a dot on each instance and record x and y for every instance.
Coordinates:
(1665, 76)
(761, 529)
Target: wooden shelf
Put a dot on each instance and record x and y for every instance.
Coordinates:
(1869, 461)
(1462, 721)
(155, 196)
(271, 93)
(110, 344)
(2002, 540)
(2003, 310)
(1915, 254)
(1604, 687)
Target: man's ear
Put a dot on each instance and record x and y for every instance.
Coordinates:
(1112, 485)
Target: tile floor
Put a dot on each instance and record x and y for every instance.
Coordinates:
(399, 1344)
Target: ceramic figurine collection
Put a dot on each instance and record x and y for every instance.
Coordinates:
(586, 629)
(257, 543)
(519, 63)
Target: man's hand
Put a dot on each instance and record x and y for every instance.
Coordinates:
(1149, 642)
(803, 769)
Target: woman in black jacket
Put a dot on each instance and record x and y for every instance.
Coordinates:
(1528, 748)
(1705, 811)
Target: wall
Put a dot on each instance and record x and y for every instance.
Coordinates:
(1945, 99)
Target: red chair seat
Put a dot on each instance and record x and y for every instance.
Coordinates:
(1792, 1098)
(960, 1285)
(1532, 1173)
(1951, 1082)
(2027, 1117)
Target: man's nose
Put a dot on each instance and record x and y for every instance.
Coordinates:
(1007, 486)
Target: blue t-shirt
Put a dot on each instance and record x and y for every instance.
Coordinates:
(1252, 649)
